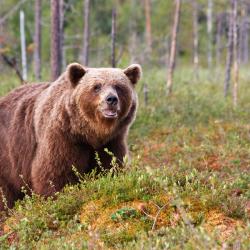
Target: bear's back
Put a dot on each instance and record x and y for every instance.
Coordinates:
(17, 140)
(9, 102)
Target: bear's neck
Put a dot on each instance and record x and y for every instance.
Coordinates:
(94, 133)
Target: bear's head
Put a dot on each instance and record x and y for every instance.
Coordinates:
(104, 97)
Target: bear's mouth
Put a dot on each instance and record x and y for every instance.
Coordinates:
(110, 114)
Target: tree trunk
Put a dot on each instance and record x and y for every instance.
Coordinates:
(195, 39)
(218, 40)
(37, 40)
(245, 42)
(23, 46)
(133, 33)
(235, 53)
(55, 57)
(147, 8)
(173, 47)
(62, 53)
(229, 55)
(113, 38)
(244, 37)
(209, 32)
(86, 33)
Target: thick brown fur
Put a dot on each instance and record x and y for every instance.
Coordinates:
(47, 128)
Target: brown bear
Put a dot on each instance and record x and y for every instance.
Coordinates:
(47, 128)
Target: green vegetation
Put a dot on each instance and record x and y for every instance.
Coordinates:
(187, 186)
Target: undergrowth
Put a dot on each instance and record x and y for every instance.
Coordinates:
(186, 187)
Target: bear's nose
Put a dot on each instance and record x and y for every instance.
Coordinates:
(112, 100)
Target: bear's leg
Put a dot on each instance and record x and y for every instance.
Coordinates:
(52, 167)
(46, 180)
(7, 195)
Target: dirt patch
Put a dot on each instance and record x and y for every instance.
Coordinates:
(224, 225)
(154, 215)
(98, 215)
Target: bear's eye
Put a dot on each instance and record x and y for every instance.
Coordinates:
(97, 87)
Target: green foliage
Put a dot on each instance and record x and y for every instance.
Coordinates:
(130, 25)
(45, 223)
(124, 214)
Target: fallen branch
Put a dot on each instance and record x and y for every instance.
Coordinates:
(157, 215)
(12, 63)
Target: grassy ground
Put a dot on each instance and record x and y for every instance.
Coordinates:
(187, 186)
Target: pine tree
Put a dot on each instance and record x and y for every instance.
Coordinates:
(37, 40)
(55, 57)
(86, 33)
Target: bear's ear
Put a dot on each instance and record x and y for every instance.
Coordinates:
(133, 72)
(75, 72)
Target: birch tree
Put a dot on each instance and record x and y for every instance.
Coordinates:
(172, 57)
(37, 40)
(86, 33)
(229, 54)
(55, 57)
(23, 45)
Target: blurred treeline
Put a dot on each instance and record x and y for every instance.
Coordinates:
(131, 41)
